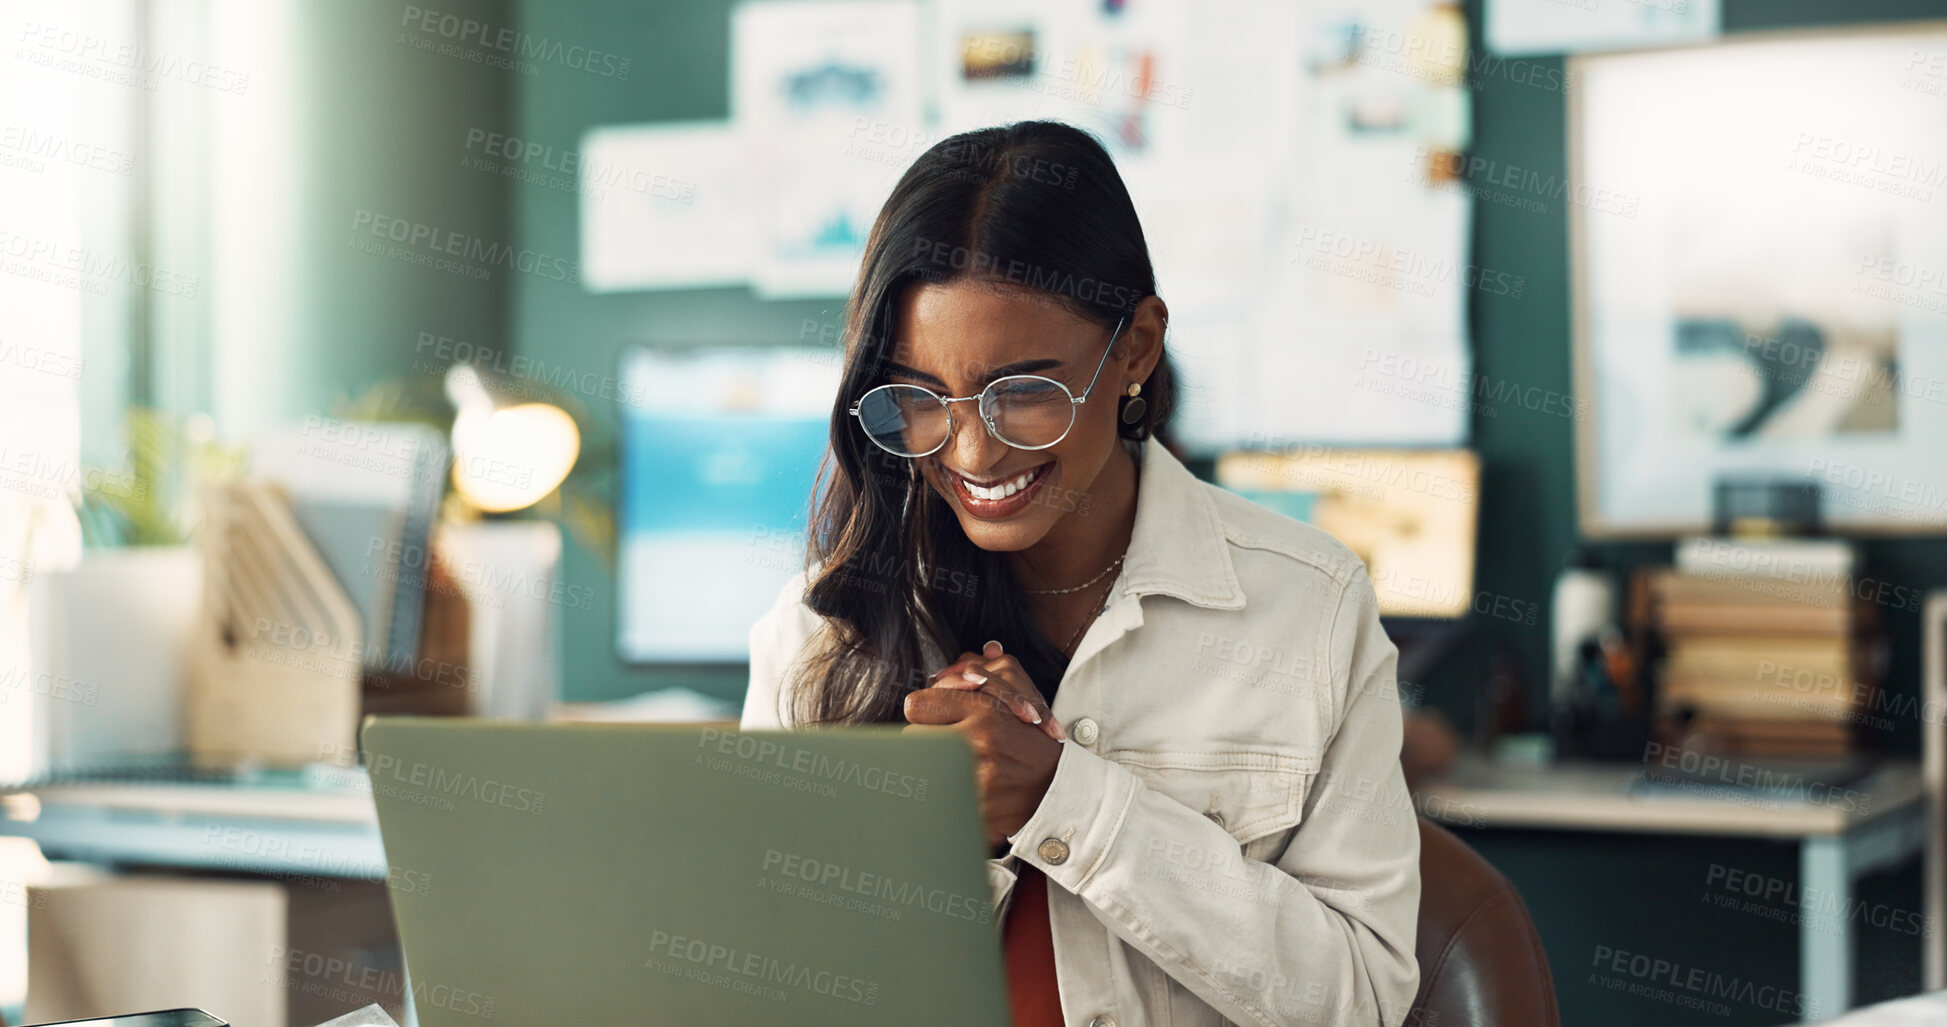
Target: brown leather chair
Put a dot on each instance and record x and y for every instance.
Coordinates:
(1480, 958)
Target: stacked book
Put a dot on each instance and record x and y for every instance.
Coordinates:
(1761, 645)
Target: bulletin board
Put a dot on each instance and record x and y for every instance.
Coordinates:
(1292, 164)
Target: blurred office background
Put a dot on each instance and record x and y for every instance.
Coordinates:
(473, 359)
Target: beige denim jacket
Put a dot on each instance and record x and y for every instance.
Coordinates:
(1228, 837)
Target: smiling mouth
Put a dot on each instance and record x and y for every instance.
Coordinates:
(995, 491)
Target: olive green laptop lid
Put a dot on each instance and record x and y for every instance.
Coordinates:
(684, 875)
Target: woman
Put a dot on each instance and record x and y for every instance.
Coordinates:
(1181, 704)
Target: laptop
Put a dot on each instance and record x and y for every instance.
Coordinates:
(685, 874)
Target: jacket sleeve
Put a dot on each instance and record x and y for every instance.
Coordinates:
(777, 641)
(1323, 935)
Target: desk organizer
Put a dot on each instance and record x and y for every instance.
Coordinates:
(277, 660)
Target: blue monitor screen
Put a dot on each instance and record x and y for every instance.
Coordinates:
(720, 452)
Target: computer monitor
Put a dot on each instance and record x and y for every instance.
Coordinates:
(720, 450)
(1409, 514)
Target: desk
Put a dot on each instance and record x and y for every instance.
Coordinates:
(287, 826)
(316, 831)
(1836, 845)
(1917, 1011)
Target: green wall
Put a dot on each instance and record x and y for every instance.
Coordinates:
(680, 71)
(384, 126)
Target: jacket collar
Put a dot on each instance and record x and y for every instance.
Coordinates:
(1177, 546)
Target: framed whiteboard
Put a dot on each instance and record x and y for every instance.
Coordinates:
(1758, 235)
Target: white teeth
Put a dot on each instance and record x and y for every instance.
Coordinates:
(1003, 490)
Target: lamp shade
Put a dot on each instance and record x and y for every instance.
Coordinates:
(507, 455)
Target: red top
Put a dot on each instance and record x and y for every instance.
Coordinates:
(1029, 946)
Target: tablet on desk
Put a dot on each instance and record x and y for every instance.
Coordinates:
(684, 874)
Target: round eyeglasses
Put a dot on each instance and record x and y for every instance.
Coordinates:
(1025, 411)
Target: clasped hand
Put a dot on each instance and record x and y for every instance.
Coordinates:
(1016, 742)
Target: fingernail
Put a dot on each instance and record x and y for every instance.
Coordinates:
(1061, 733)
(974, 676)
(996, 646)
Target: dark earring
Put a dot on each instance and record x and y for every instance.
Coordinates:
(1130, 410)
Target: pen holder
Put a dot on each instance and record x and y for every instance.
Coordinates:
(1583, 727)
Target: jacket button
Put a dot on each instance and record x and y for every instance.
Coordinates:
(1087, 731)
(1053, 851)
(1105, 1020)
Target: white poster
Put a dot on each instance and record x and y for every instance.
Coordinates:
(666, 206)
(1529, 28)
(814, 85)
(1770, 305)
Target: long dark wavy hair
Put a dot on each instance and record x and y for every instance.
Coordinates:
(1038, 205)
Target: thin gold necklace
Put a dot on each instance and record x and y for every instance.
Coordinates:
(1113, 564)
(1101, 606)
(1069, 649)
